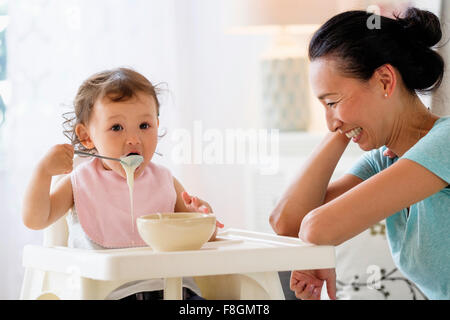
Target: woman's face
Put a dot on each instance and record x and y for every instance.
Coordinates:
(352, 106)
(117, 129)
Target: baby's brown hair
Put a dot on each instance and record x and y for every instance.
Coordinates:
(117, 85)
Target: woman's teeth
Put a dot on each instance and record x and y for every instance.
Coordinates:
(353, 133)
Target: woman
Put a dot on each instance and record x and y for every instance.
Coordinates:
(367, 80)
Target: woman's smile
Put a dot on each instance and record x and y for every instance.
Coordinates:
(354, 134)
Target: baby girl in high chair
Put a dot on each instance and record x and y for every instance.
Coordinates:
(116, 114)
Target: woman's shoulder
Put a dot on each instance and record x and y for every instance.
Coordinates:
(433, 150)
(442, 123)
(437, 137)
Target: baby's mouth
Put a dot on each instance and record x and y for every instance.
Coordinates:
(132, 153)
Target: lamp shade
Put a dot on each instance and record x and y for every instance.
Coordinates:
(245, 14)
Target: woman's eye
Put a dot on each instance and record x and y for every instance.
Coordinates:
(331, 104)
(116, 127)
(144, 125)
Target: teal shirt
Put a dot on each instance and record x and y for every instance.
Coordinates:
(420, 241)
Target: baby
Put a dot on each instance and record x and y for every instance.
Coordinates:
(116, 114)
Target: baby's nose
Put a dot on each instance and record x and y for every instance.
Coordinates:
(133, 139)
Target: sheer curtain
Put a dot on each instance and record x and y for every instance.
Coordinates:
(53, 45)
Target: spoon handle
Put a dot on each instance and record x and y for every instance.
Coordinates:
(95, 155)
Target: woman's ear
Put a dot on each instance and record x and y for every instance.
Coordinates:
(83, 135)
(386, 77)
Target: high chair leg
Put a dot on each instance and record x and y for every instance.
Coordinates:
(32, 284)
(270, 283)
(173, 289)
(248, 286)
(39, 284)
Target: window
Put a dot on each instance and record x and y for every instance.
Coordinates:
(4, 19)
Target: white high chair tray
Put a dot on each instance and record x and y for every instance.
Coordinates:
(235, 251)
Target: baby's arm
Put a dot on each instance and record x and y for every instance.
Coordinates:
(186, 203)
(40, 207)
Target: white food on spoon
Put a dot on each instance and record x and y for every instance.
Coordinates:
(133, 160)
(353, 133)
(129, 164)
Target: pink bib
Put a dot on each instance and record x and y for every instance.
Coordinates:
(102, 201)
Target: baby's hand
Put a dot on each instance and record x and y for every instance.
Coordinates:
(194, 204)
(58, 160)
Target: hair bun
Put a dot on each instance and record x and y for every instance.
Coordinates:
(422, 25)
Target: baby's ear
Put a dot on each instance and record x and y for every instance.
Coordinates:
(83, 135)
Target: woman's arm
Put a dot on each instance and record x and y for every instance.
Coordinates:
(397, 187)
(311, 188)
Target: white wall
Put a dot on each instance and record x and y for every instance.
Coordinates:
(217, 85)
(441, 100)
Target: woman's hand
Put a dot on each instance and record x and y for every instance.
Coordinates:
(58, 160)
(307, 284)
(194, 204)
(389, 153)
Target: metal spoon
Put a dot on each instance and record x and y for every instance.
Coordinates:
(133, 160)
(95, 155)
(103, 157)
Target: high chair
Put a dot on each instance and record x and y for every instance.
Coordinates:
(243, 265)
(49, 276)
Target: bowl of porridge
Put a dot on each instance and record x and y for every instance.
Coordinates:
(176, 231)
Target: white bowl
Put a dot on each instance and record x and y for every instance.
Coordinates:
(176, 231)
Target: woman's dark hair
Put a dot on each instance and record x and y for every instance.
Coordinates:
(404, 42)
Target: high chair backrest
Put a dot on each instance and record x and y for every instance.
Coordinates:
(58, 233)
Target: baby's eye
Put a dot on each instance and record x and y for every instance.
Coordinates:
(116, 127)
(144, 125)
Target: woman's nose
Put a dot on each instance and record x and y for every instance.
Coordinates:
(333, 123)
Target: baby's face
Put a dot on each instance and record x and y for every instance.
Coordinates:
(120, 128)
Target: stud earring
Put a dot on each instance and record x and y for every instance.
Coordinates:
(385, 95)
